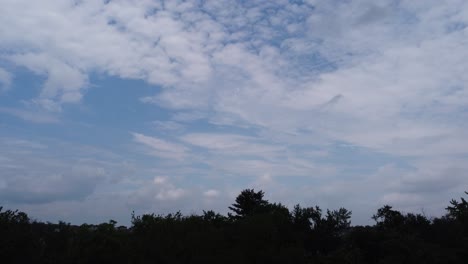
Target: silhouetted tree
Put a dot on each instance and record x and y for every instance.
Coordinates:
(388, 218)
(17, 243)
(458, 210)
(248, 202)
(259, 232)
(338, 220)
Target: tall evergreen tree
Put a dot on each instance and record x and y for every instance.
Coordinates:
(248, 202)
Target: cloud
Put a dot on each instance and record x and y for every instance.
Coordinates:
(159, 180)
(21, 143)
(5, 79)
(161, 148)
(251, 73)
(64, 82)
(162, 188)
(170, 194)
(390, 91)
(32, 187)
(425, 185)
(72, 40)
(188, 116)
(290, 65)
(211, 193)
(33, 173)
(168, 126)
(229, 143)
(30, 115)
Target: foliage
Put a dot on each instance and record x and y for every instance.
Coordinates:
(248, 202)
(257, 232)
(459, 210)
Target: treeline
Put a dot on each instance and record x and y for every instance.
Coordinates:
(256, 231)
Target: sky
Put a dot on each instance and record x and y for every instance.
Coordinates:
(109, 107)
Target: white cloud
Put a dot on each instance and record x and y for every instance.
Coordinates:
(168, 126)
(161, 188)
(5, 79)
(188, 116)
(211, 193)
(253, 156)
(64, 82)
(39, 173)
(22, 143)
(31, 115)
(158, 180)
(161, 148)
(119, 38)
(380, 71)
(170, 194)
(231, 144)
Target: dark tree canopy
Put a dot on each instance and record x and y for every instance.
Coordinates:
(387, 217)
(339, 219)
(248, 202)
(458, 210)
(259, 232)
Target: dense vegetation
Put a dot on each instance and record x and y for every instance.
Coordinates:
(256, 231)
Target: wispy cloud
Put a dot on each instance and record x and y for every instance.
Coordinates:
(30, 115)
(160, 147)
(33, 172)
(5, 79)
(229, 143)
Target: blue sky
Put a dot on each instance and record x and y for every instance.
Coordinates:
(109, 107)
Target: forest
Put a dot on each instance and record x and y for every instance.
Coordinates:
(255, 231)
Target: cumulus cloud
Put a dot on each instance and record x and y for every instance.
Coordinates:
(121, 38)
(161, 189)
(64, 83)
(382, 61)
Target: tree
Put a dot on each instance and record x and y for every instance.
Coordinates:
(248, 202)
(13, 217)
(338, 220)
(307, 218)
(388, 218)
(458, 210)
